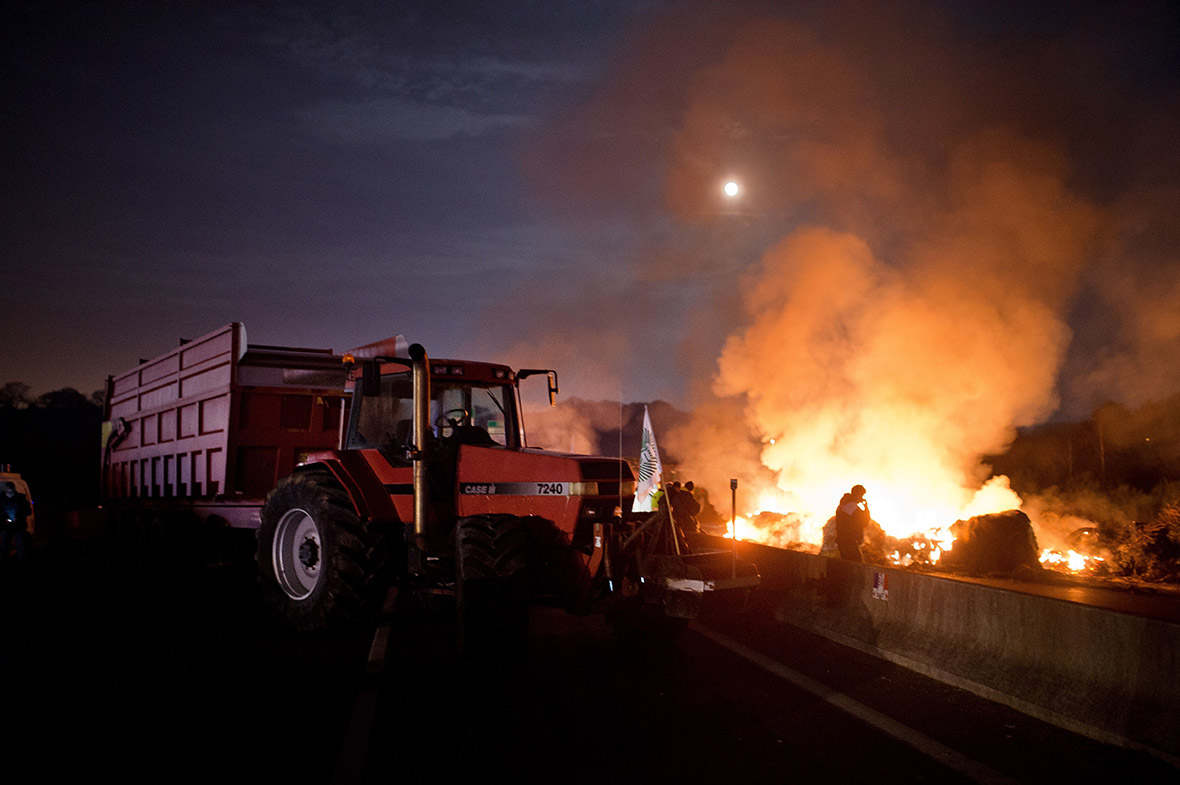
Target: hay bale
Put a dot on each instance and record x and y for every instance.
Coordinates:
(1001, 542)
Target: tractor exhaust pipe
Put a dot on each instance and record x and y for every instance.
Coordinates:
(420, 365)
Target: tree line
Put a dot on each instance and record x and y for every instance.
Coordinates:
(53, 442)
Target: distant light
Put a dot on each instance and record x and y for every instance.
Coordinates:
(731, 188)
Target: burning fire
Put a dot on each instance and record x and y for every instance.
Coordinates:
(924, 529)
(1070, 560)
(900, 513)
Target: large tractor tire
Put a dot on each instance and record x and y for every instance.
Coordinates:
(491, 585)
(319, 563)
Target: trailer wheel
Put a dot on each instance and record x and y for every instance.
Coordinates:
(126, 540)
(491, 584)
(316, 558)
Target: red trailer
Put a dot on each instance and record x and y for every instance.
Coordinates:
(210, 427)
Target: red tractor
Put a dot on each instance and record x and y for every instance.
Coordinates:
(435, 489)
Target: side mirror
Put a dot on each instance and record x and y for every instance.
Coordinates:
(524, 373)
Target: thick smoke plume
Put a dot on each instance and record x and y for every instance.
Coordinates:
(902, 374)
(917, 311)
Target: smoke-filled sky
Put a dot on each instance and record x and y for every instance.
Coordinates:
(961, 217)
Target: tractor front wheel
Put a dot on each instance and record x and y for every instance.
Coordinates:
(316, 558)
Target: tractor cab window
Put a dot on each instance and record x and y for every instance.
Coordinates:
(385, 421)
(473, 414)
(459, 413)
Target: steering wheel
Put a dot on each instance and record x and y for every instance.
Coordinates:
(452, 419)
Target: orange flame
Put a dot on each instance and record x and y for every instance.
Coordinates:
(926, 527)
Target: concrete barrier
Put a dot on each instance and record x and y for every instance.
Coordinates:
(1109, 675)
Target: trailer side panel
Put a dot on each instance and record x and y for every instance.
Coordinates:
(215, 423)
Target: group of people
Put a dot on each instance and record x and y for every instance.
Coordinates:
(683, 503)
(14, 522)
(852, 515)
(685, 506)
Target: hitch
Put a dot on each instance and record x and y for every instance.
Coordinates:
(669, 574)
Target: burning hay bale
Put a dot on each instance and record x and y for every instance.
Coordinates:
(1001, 542)
(781, 530)
(917, 551)
(873, 549)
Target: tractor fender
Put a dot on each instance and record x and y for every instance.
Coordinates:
(368, 496)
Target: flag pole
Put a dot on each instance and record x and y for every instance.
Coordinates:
(733, 521)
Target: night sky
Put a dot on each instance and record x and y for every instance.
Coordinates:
(538, 182)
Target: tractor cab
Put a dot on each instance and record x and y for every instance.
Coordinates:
(469, 404)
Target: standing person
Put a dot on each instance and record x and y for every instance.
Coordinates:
(685, 508)
(14, 519)
(669, 494)
(852, 518)
(660, 496)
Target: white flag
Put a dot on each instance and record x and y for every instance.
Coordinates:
(651, 471)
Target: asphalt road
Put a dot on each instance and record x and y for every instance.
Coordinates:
(184, 674)
(738, 699)
(177, 674)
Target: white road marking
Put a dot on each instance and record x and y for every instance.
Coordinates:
(903, 733)
(377, 650)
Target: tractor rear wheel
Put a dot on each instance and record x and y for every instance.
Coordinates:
(491, 584)
(318, 561)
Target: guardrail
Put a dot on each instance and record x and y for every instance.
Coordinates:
(1109, 675)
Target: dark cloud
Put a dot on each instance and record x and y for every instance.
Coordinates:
(327, 174)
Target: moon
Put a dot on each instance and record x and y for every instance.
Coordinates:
(731, 188)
